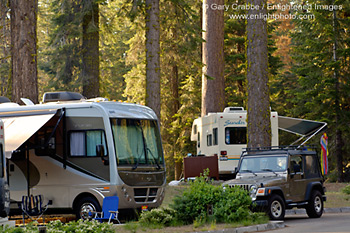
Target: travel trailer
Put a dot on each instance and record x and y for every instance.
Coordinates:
(4, 189)
(225, 134)
(75, 152)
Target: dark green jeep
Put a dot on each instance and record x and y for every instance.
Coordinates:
(281, 178)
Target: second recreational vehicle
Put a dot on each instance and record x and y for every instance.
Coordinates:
(74, 152)
(225, 134)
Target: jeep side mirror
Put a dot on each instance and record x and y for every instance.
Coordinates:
(100, 152)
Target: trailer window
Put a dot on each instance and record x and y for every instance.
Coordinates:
(215, 136)
(2, 160)
(235, 135)
(199, 140)
(209, 140)
(83, 143)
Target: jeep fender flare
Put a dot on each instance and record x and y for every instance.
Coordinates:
(313, 186)
(276, 190)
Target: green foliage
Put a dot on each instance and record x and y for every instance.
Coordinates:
(317, 85)
(204, 201)
(158, 217)
(58, 227)
(346, 190)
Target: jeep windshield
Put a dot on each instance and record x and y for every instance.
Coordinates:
(260, 164)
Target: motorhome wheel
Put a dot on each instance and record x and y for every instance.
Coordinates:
(86, 206)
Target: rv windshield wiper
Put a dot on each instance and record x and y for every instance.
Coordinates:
(136, 165)
(146, 147)
(270, 170)
(155, 160)
(250, 171)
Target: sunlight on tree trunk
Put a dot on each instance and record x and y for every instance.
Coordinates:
(90, 52)
(213, 81)
(259, 124)
(152, 56)
(24, 50)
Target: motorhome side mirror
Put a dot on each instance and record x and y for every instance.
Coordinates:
(100, 152)
(236, 170)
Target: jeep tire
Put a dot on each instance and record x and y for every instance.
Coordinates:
(276, 207)
(314, 209)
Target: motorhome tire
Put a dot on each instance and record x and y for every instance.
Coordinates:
(85, 206)
(315, 207)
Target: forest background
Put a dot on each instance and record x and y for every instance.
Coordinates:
(309, 62)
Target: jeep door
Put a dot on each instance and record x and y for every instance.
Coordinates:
(297, 181)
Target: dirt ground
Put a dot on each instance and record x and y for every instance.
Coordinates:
(335, 197)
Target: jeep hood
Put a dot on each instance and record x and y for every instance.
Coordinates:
(267, 180)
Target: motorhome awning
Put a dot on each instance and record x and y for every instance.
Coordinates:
(304, 128)
(18, 129)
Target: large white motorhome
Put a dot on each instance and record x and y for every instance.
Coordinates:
(4, 189)
(225, 134)
(75, 152)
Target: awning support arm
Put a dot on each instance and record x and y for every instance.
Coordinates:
(55, 128)
(317, 131)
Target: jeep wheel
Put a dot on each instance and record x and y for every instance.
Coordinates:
(315, 207)
(276, 208)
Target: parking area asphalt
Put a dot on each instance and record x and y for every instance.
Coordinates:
(272, 225)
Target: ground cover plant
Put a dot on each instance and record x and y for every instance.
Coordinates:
(59, 227)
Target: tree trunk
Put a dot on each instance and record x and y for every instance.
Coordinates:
(24, 49)
(90, 51)
(338, 133)
(152, 56)
(5, 48)
(213, 81)
(259, 123)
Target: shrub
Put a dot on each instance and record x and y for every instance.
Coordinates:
(346, 190)
(161, 216)
(233, 206)
(196, 200)
(203, 201)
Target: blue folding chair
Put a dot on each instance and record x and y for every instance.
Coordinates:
(109, 210)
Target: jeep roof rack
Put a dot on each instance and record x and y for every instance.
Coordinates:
(275, 148)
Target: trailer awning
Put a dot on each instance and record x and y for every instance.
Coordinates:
(304, 128)
(18, 129)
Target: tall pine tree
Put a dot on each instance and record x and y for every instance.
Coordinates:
(321, 64)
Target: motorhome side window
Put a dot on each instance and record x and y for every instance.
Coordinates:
(47, 144)
(235, 135)
(83, 143)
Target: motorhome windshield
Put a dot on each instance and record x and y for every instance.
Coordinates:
(256, 164)
(137, 142)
